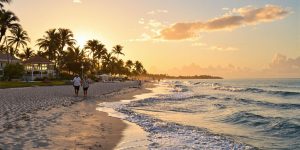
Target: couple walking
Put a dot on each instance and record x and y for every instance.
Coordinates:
(77, 82)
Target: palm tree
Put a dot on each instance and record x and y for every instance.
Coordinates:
(92, 45)
(50, 43)
(118, 50)
(129, 65)
(139, 68)
(8, 20)
(100, 52)
(73, 57)
(28, 52)
(4, 1)
(66, 38)
(18, 37)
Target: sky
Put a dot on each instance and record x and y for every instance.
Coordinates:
(228, 38)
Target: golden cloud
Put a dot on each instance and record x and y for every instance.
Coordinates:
(236, 18)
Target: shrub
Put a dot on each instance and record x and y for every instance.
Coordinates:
(13, 71)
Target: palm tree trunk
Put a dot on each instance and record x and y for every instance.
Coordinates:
(17, 45)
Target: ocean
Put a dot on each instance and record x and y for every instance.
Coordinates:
(219, 114)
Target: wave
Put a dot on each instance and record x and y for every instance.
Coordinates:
(168, 135)
(275, 126)
(218, 86)
(267, 104)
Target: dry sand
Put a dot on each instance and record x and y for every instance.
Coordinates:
(52, 118)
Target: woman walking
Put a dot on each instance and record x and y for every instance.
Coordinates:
(85, 85)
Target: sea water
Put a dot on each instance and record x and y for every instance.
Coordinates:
(219, 114)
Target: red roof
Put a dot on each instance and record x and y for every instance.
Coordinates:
(37, 60)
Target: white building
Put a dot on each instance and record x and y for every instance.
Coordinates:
(38, 67)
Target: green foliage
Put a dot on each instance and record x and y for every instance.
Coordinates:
(13, 71)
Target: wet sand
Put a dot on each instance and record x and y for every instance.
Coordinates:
(77, 125)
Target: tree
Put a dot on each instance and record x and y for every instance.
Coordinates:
(118, 50)
(100, 52)
(2, 3)
(13, 71)
(92, 46)
(139, 68)
(8, 20)
(18, 37)
(129, 65)
(49, 44)
(28, 52)
(73, 59)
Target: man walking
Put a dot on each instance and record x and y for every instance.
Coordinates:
(76, 83)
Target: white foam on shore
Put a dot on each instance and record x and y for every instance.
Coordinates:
(134, 136)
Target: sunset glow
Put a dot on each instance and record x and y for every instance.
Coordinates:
(230, 39)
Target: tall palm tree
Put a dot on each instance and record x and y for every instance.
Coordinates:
(100, 52)
(92, 45)
(8, 20)
(18, 37)
(66, 38)
(49, 43)
(28, 52)
(118, 50)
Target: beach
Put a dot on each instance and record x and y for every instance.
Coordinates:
(53, 118)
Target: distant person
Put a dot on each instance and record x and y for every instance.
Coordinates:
(140, 83)
(85, 85)
(76, 83)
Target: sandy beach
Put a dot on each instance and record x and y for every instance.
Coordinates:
(53, 118)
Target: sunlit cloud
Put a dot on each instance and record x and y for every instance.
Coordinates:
(76, 1)
(283, 64)
(144, 37)
(280, 66)
(236, 18)
(223, 49)
(158, 11)
(215, 47)
(141, 21)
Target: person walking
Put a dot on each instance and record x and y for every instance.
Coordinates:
(85, 85)
(76, 83)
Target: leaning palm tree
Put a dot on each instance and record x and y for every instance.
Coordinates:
(118, 50)
(8, 20)
(18, 37)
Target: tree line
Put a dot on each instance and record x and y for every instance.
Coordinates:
(60, 47)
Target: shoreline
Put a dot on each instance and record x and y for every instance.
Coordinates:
(72, 124)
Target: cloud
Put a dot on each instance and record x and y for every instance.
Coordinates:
(158, 11)
(282, 64)
(215, 47)
(234, 19)
(76, 1)
(280, 67)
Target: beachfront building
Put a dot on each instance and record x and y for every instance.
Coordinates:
(6, 59)
(38, 67)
